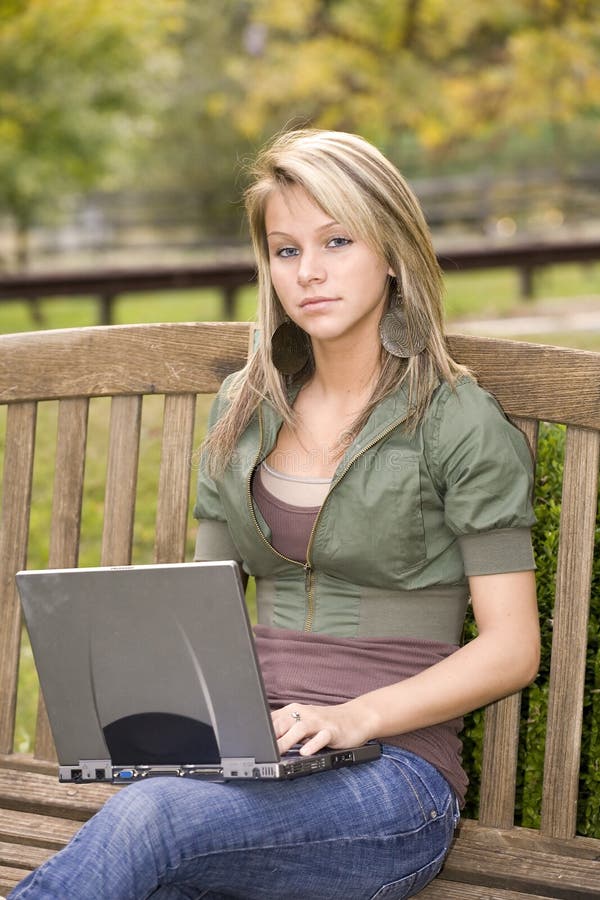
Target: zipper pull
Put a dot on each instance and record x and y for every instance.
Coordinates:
(307, 576)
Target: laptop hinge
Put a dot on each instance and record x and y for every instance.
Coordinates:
(87, 770)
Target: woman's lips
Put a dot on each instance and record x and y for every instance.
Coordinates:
(317, 302)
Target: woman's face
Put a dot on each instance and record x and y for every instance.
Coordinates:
(332, 284)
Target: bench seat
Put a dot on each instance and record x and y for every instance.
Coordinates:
(38, 816)
(491, 859)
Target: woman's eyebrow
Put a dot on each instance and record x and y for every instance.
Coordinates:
(324, 227)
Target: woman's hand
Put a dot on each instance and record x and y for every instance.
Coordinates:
(315, 727)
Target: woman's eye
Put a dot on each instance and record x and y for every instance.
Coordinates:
(339, 242)
(286, 252)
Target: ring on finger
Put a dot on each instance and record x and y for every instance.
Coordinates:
(296, 716)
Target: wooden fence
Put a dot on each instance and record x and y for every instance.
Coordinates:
(108, 284)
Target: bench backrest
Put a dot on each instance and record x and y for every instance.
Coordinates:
(182, 362)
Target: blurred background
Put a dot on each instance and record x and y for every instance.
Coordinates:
(124, 129)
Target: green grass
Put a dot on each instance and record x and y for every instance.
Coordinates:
(166, 306)
(477, 294)
(497, 291)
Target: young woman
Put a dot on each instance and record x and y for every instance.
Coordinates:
(370, 487)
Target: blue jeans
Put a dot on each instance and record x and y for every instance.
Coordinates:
(375, 830)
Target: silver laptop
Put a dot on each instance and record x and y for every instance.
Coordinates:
(152, 670)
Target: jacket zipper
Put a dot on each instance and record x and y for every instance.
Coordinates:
(309, 576)
(249, 497)
(307, 566)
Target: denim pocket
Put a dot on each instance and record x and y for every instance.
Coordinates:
(429, 791)
(411, 884)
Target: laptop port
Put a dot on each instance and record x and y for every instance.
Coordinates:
(340, 759)
(100, 774)
(76, 774)
(161, 770)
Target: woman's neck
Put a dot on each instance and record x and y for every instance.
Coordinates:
(349, 372)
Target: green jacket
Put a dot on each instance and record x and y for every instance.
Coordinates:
(407, 518)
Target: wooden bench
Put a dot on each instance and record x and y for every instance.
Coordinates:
(491, 859)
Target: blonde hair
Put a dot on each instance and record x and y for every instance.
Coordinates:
(350, 180)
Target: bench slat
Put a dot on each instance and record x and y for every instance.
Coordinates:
(19, 856)
(501, 729)
(33, 830)
(524, 841)
(10, 877)
(538, 872)
(122, 359)
(499, 764)
(14, 527)
(66, 519)
(571, 612)
(68, 482)
(32, 792)
(174, 482)
(121, 480)
(440, 889)
(534, 380)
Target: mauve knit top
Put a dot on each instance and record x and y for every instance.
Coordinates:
(304, 667)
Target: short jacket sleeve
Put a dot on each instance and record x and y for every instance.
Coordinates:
(213, 539)
(483, 469)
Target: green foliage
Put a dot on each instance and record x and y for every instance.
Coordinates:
(439, 87)
(176, 93)
(535, 698)
(445, 73)
(76, 80)
(198, 146)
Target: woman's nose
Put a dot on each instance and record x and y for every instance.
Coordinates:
(311, 269)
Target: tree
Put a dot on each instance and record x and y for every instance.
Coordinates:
(77, 81)
(422, 75)
(198, 146)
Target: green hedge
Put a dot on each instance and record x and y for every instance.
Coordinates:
(535, 698)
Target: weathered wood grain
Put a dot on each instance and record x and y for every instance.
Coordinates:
(66, 519)
(32, 829)
(14, 528)
(501, 728)
(524, 841)
(19, 856)
(174, 483)
(499, 765)
(537, 872)
(120, 359)
(569, 644)
(10, 877)
(32, 792)
(69, 471)
(554, 384)
(440, 889)
(121, 480)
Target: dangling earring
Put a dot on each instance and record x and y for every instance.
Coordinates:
(289, 348)
(396, 336)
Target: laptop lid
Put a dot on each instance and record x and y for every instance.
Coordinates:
(148, 665)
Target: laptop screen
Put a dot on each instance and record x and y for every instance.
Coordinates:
(148, 664)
